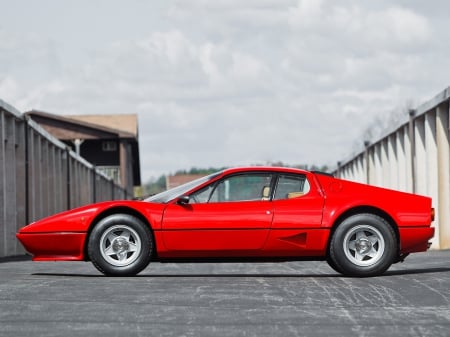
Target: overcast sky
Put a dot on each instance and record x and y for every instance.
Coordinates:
(232, 82)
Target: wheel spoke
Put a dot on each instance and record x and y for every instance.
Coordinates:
(133, 247)
(111, 236)
(361, 235)
(352, 245)
(358, 256)
(109, 251)
(373, 239)
(372, 253)
(122, 256)
(126, 235)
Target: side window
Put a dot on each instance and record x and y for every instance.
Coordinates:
(201, 196)
(291, 186)
(243, 187)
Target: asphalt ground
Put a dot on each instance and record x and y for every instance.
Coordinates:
(276, 299)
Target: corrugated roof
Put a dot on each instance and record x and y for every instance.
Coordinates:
(123, 122)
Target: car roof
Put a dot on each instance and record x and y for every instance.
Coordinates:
(264, 169)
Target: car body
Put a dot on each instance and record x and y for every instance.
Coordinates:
(243, 214)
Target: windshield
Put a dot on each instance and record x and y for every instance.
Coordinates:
(178, 191)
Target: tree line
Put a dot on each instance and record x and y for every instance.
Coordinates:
(157, 185)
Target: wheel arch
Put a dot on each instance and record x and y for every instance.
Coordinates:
(360, 210)
(113, 211)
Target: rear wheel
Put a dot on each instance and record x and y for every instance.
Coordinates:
(363, 245)
(120, 245)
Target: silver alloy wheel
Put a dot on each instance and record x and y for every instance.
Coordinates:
(120, 245)
(364, 245)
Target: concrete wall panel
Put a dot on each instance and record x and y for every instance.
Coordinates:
(414, 158)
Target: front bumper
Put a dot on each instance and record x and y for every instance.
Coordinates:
(59, 246)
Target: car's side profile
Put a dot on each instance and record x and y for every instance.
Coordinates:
(243, 214)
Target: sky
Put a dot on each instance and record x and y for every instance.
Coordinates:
(227, 82)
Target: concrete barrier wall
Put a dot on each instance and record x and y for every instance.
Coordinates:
(40, 176)
(415, 157)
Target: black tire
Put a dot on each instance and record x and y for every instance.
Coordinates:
(120, 245)
(363, 245)
(333, 265)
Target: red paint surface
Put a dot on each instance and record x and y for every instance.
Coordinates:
(291, 228)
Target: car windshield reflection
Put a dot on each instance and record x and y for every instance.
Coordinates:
(178, 191)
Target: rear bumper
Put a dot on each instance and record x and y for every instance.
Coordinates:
(415, 239)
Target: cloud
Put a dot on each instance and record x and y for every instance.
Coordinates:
(406, 26)
(9, 87)
(388, 27)
(220, 83)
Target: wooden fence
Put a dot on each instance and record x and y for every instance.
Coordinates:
(40, 176)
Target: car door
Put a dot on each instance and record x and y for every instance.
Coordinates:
(296, 204)
(296, 227)
(231, 217)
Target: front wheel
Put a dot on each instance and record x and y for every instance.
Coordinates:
(120, 245)
(363, 245)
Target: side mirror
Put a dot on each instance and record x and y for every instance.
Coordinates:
(183, 200)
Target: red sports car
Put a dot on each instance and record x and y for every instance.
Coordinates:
(242, 214)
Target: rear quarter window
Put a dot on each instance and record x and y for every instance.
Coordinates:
(291, 186)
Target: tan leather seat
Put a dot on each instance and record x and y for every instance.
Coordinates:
(294, 195)
(265, 193)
